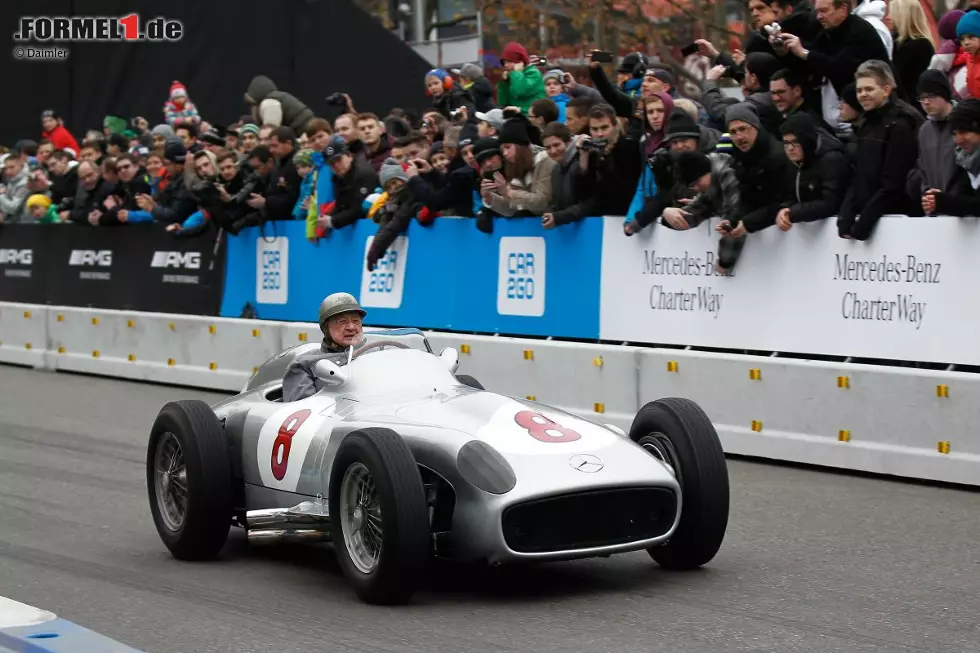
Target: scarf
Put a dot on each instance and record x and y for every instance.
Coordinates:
(969, 161)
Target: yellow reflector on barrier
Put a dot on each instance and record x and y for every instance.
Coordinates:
(755, 375)
(464, 349)
(95, 353)
(61, 318)
(942, 391)
(671, 366)
(212, 329)
(212, 366)
(529, 354)
(27, 345)
(132, 358)
(844, 436)
(942, 447)
(255, 333)
(95, 321)
(599, 407)
(532, 398)
(302, 337)
(173, 327)
(27, 315)
(843, 382)
(255, 369)
(756, 426)
(61, 350)
(130, 324)
(598, 362)
(171, 362)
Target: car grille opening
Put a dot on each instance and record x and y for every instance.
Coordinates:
(589, 519)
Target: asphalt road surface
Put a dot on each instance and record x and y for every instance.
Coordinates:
(813, 561)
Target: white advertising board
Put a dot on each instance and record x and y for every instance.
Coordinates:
(908, 293)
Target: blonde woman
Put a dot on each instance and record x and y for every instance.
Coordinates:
(914, 46)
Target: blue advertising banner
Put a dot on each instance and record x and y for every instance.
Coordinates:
(521, 280)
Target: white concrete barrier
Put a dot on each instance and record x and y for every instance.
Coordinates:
(26, 629)
(899, 421)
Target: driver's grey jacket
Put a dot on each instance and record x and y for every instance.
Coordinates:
(300, 382)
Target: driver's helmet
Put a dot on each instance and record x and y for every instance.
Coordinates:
(337, 303)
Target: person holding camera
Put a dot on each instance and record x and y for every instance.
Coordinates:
(448, 98)
(523, 188)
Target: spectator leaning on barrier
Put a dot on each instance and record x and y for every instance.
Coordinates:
(564, 178)
(64, 179)
(522, 83)
(886, 150)
(283, 191)
(963, 198)
(236, 185)
(822, 172)
(844, 43)
(353, 180)
(133, 182)
(87, 198)
(936, 167)
(711, 180)
(174, 203)
(523, 187)
(53, 129)
(456, 192)
(397, 212)
(13, 190)
(42, 210)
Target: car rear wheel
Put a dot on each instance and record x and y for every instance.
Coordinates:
(380, 516)
(466, 379)
(188, 477)
(679, 433)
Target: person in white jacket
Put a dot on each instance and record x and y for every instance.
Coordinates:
(874, 12)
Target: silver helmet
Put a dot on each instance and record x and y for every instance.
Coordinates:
(337, 303)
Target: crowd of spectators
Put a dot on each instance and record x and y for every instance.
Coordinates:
(847, 111)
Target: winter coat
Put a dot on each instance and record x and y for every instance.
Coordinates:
(174, 203)
(874, 12)
(723, 198)
(378, 156)
(481, 93)
(530, 195)
(270, 106)
(821, 181)
(912, 57)
(393, 220)
(455, 196)
(305, 193)
(716, 104)
(936, 167)
(521, 89)
(561, 101)
(973, 75)
(86, 201)
(125, 194)
(185, 114)
(962, 199)
(64, 187)
(564, 179)
(61, 138)
(13, 202)
(886, 150)
(453, 100)
(765, 177)
(608, 187)
(322, 194)
(283, 191)
(350, 191)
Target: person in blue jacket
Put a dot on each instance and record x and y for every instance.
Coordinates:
(554, 86)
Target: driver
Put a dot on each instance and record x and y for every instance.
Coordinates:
(340, 322)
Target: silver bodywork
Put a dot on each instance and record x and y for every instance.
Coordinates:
(461, 438)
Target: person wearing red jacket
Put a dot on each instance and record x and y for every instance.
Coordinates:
(53, 129)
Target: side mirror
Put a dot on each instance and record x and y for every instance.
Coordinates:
(332, 375)
(450, 358)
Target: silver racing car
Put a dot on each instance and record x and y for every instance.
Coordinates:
(399, 460)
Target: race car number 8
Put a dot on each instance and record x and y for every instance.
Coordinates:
(543, 429)
(284, 440)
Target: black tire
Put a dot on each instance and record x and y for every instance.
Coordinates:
(209, 504)
(466, 379)
(405, 543)
(680, 431)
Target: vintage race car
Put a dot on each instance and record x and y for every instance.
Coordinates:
(399, 460)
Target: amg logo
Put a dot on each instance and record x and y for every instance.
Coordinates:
(188, 260)
(16, 256)
(101, 258)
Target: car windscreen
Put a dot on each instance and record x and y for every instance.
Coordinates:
(396, 371)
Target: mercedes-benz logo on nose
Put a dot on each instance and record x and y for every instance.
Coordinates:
(585, 462)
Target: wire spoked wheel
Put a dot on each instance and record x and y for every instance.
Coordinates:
(360, 518)
(170, 478)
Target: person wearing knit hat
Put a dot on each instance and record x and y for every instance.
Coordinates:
(742, 112)
(936, 165)
(178, 109)
(692, 167)
(849, 107)
(475, 83)
(43, 209)
(520, 84)
(554, 87)
(963, 197)
(393, 210)
(524, 187)
(968, 34)
(713, 178)
(160, 135)
(515, 131)
(485, 148)
(249, 137)
(392, 171)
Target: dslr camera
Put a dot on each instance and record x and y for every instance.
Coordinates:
(337, 100)
(595, 145)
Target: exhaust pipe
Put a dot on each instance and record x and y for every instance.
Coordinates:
(306, 522)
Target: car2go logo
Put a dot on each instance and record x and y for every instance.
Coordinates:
(521, 277)
(284, 442)
(272, 271)
(384, 286)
